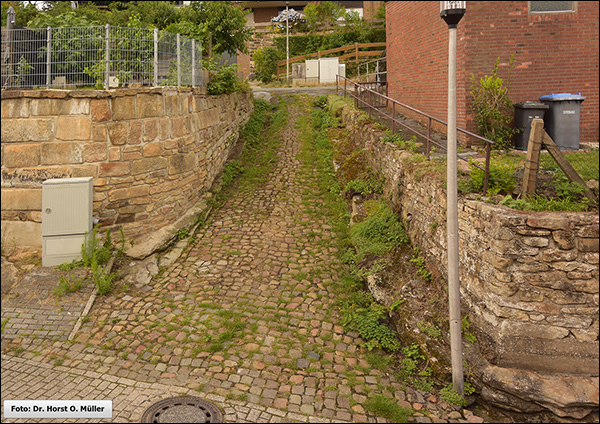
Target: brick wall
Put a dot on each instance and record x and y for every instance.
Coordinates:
(553, 53)
(529, 283)
(152, 152)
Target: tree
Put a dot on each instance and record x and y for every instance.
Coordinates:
(266, 63)
(321, 14)
(223, 26)
(23, 12)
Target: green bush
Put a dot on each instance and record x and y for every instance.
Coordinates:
(226, 81)
(452, 396)
(266, 63)
(380, 233)
(493, 108)
(501, 179)
(366, 321)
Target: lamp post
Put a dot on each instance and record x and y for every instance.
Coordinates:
(452, 12)
(287, 44)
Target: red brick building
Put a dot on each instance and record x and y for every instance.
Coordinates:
(554, 52)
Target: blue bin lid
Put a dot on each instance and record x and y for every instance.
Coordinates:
(561, 96)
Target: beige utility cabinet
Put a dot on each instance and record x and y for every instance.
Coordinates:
(67, 206)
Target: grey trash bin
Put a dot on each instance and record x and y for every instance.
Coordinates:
(525, 112)
(562, 119)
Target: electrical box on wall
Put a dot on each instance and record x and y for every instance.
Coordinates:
(67, 206)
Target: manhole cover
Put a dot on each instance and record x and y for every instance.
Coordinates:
(183, 410)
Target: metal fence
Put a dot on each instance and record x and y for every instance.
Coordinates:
(373, 96)
(102, 56)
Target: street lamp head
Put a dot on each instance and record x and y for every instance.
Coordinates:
(452, 12)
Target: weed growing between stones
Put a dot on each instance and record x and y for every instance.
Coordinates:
(93, 256)
(387, 407)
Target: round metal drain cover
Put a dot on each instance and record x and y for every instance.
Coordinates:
(184, 409)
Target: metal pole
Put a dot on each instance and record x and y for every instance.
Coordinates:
(10, 27)
(155, 57)
(193, 63)
(107, 63)
(48, 55)
(452, 223)
(178, 60)
(287, 45)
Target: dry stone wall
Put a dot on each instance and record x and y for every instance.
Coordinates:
(529, 282)
(153, 152)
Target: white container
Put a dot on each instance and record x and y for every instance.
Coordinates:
(312, 70)
(328, 69)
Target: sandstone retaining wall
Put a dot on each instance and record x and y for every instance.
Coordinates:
(529, 282)
(153, 152)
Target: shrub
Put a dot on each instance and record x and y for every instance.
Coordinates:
(501, 179)
(226, 81)
(493, 108)
(380, 233)
(266, 63)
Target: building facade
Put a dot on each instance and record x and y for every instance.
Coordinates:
(554, 46)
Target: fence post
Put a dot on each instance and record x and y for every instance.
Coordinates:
(155, 57)
(370, 104)
(429, 137)
(393, 118)
(486, 181)
(178, 60)
(356, 53)
(10, 27)
(193, 63)
(107, 60)
(48, 55)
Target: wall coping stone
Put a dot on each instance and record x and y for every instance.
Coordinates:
(97, 94)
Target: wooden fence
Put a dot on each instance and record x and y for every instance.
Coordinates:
(355, 54)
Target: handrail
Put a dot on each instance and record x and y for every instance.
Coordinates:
(362, 86)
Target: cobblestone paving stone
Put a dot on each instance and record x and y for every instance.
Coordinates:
(31, 311)
(246, 317)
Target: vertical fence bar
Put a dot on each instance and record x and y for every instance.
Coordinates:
(107, 59)
(393, 117)
(486, 181)
(155, 57)
(429, 137)
(48, 54)
(370, 103)
(193, 63)
(178, 60)
(201, 73)
(345, 87)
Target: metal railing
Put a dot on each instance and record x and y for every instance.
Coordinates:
(373, 100)
(378, 74)
(101, 56)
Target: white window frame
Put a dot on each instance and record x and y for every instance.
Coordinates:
(542, 12)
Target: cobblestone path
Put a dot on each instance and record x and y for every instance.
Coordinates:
(245, 317)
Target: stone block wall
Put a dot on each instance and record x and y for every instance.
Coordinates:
(529, 280)
(152, 152)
